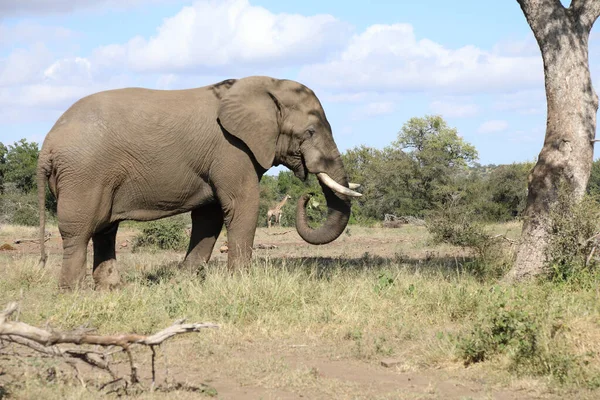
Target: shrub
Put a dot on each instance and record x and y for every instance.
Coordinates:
(533, 345)
(507, 330)
(17, 208)
(572, 228)
(458, 225)
(164, 234)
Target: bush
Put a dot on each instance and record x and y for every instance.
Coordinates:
(458, 225)
(507, 330)
(164, 234)
(572, 228)
(17, 208)
(534, 345)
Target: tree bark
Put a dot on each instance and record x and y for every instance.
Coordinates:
(567, 155)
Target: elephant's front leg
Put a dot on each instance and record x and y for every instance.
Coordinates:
(207, 223)
(240, 215)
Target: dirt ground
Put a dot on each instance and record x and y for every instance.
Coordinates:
(301, 368)
(409, 241)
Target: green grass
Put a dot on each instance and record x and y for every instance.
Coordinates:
(426, 315)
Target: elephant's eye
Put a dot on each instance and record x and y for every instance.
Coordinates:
(311, 131)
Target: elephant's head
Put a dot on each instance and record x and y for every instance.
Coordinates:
(283, 122)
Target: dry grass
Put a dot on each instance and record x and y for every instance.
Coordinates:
(301, 309)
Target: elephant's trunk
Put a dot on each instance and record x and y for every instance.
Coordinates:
(337, 217)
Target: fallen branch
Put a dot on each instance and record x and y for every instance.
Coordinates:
(592, 238)
(589, 257)
(46, 342)
(19, 241)
(509, 240)
(279, 233)
(265, 246)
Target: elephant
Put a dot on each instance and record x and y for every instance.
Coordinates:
(142, 154)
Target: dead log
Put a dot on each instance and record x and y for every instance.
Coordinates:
(47, 342)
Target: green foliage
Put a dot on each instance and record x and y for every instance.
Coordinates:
(534, 345)
(507, 330)
(18, 208)
(164, 234)
(594, 181)
(507, 186)
(18, 165)
(415, 174)
(3, 151)
(457, 224)
(573, 226)
(384, 282)
(439, 155)
(273, 190)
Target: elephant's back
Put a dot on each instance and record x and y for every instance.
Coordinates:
(139, 116)
(111, 133)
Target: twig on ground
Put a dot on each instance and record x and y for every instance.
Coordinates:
(501, 236)
(19, 241)
(592, 238)
(279, 233)
(589, 257)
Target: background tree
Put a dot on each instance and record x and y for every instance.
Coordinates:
(439, 156)
(415, 174)
(594, 181)
(507, 186)
(566, 158)
(3, 151)
(20, 165)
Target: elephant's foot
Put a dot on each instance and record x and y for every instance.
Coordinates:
(195, 266)
(106, 276)
(66, 284)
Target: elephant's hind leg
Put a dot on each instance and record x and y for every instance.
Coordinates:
(79, 214)
(72, 273)
(207, 223)
(106, 274)
(76, 229)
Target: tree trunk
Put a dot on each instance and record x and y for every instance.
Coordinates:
(567, 155)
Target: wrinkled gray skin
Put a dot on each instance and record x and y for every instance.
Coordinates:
(139, 154)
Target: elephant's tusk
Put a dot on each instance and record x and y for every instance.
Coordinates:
(353, 185)
(333, 185)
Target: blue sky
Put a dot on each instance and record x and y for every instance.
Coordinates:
(373, 65)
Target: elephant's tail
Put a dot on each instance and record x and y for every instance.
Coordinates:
(43, 171)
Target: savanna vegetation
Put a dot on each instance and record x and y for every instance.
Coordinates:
(430, 296)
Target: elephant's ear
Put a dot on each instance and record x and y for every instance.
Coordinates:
(251, 113)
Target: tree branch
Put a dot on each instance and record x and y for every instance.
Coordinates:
(47, 338)
(44, 341)
(586, 12)
(539, 13)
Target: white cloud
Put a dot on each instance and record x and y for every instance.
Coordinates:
(31, 32)
(493, 126)
(525, 102)
(41, 95)
(33, 7)
(518, 47)
(344, 97)
(211, 35)
(70, 71)
(534, 135)
(374, 109)
(24, 66)
(390, 58)
(166, 81)
(454, 109)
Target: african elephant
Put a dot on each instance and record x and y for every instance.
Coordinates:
(140, 154)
